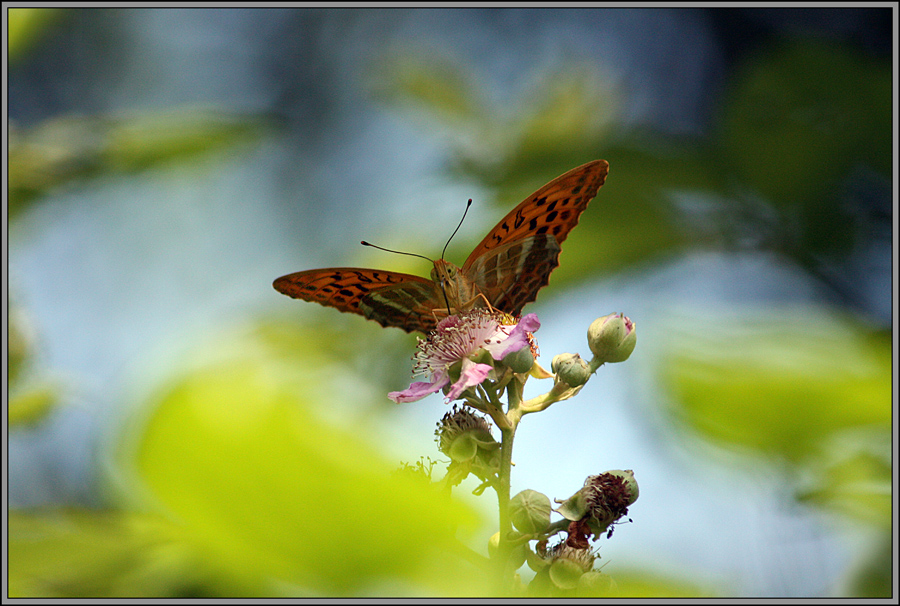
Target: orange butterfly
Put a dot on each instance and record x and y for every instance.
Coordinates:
(506, 270)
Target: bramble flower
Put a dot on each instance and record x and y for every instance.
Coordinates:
(458, 339)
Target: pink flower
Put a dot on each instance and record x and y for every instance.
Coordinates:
(456, 339)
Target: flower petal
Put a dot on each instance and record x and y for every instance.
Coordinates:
(418, 390)
(517, 339)
(470, 374)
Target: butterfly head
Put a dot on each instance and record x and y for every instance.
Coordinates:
(448, 277)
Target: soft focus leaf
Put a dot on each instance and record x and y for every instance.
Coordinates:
(105, 554)
(800, 117)
(854, 476)
(235, 453)
(68, 148)
(25, 27)
(32, 403)
(778, 383)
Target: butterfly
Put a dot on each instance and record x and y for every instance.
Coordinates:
(505, 271)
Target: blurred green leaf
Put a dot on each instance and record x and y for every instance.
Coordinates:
(69, 148)
(798, 118)
(644, 584)
(31, 395)
(235, 453)
(20, 341)
(25, 26)
(778, 383)
(32, 403)
(104, 554)
(873, 577)
(853, 476)
(441, 87)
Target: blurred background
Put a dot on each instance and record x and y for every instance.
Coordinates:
(178, 428)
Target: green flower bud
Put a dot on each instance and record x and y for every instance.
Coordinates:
(517, 556)
(530, 511)
(520, 361)
(611, 339)
(571, 369)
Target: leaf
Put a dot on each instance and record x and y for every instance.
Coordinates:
(233, 451)
(70, 148)
(107, 554)
(799, 117)
(778, 382)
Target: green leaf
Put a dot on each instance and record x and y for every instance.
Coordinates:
(106, 554)
(25, 26)
(235, 453)
(70, 148)
(32, 403)
(800, 115)
(778, 382)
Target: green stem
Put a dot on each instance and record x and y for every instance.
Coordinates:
(514, 394)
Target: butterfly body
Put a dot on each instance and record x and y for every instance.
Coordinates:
(506, 270)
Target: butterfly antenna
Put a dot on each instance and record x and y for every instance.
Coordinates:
(364, 243)
(468, 204)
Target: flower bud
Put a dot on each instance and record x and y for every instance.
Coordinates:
(530, 511)
(517, 555)
(519, 361)
(571, 369)
(565, 573)
(611, 339)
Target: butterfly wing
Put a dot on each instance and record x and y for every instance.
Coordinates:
(513, 262)
(511, 274)
(389, 298)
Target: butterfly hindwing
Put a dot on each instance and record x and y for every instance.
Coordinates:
(409, 305)
(389, 298)
(511, 274)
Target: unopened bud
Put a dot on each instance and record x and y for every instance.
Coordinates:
(520, 361)
(530, 511)
(611, 339)
(571, 369)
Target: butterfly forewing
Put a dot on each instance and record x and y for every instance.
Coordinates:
(554, 209)
(515, 259)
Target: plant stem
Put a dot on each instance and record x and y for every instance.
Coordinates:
(514, 394)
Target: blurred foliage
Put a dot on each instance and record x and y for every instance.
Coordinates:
(640, 584)
(70, 148)
(254, 495)
(778, 382)
(32, 395)
(801, 387)
(105, 554)
(25, 26)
